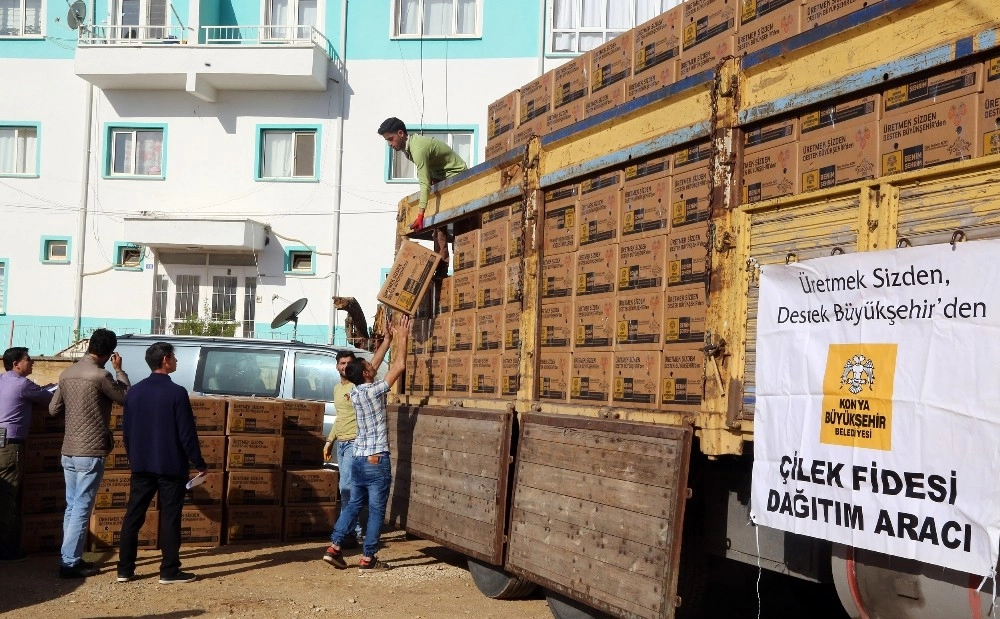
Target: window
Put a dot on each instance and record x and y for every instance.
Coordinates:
(223, 297)
(143, 19)
(19, 150)
(288, 153)
(577, 26)
(186, 297)
(160, 304)
(128, 257)
(315, 377)
(249, 305)
(136, 151)
(239, 371)
(3, 286)
(402, 169)
(21, 18)
(300, 260)
(290, 19)
(436, 18)
(55, 249)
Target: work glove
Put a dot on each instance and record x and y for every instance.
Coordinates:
(418, 223)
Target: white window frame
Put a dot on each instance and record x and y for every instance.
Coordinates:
(295, 133)
(19, 31)
(394, 16)
(398, 156)
(131, 171)
(577, 30)
(25, 163)
(294, 29)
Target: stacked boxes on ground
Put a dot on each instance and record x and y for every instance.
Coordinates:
(43, 488)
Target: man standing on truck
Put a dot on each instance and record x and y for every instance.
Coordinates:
(371, 471)
(434, 160)
(345, 431)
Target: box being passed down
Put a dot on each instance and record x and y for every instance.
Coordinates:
(409, 278)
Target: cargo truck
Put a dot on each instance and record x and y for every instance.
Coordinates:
(578, 413)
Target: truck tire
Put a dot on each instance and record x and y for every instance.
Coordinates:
(495, 583)
(563, 607)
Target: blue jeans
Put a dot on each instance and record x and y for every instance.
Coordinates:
(83, 477)
(345, 460)
(371, 486)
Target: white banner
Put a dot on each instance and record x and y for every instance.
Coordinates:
(877, 422)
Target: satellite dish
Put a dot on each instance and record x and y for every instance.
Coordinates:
(290, 314)
(77, 14)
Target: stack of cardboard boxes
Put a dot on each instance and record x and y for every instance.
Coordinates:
(309, 491)
(43, 502)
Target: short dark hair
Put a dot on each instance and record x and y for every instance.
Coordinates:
(391, 125)
(12, 356)
(355, 372)
(102, 343)
(156, 353)
(345, 354)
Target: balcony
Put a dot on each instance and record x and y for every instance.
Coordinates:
(206, 60)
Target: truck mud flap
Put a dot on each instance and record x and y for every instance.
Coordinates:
(450, 473)
(597, 511)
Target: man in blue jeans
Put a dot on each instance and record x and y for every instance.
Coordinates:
(371, 470)
(86, 391)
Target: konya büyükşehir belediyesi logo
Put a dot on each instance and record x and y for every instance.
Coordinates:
(857, 396)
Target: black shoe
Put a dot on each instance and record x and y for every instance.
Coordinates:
(16, 558)
(372, 565)
(179, 577)
(77, 571)
(335, 558)
(123, 577)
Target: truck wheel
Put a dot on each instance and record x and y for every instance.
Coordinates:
(563, 607)
(495, 583)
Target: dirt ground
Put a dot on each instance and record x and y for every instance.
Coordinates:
(262, 581)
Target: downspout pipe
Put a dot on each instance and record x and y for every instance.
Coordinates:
(81, 232)
(338, 173)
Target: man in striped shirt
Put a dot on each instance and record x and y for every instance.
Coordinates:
(371, 470)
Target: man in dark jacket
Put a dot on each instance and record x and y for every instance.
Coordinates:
(161, 442)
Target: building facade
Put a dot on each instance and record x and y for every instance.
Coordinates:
(170, 161)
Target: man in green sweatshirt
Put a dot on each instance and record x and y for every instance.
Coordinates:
(435, 160)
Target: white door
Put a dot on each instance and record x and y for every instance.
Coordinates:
(291, 19)
(142, 19)
(223, 297)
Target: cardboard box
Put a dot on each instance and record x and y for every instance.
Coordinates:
(499, 145)
(303, 416)
(489, 330)
(767, 22)
(245, 452)
(935, 88)
(312, 486)
(493, 242)
(837, 156)
(43, 454)
(611, 63)
(312, 522)
(420, 329)
(44, 423)
(840, 115)
(213, 450)
(564, 117)
(687, 256)
(463, 288)
(409, 278)
(515, 247)
(466, 251)
(915, 138)
(535, 101)
(691, 195)
(557, 277)
(440, 335)
(709, 35)
(636, 378)
(510, 374)
(656, 49)
(642, 264)
(771, 173)
(692, 156)
(209, 493)
(254, 416)
(760, 137)
(491, 288)
(570, 87)
(253, 487)
(590, 381)
(446, 294)
(495, 214)
(596, 271)
(639, 321)
(685, 310)
(598, 208)
(457, 375)
(556, 326)
(527, 130)
(417, 377)
(818, 12)
(608, 99)
(559, 233)
(594, 324)
(463, 332)
(114, 492)
(253, 523)
(682, 377)
(201, 526)
(645, 204)
(106, 530)
(117, 418)
(501, 121)
(209, 414)
(117, 458)
(515, 282)
(43, 493)
(485, 379)
(437, 374)
(303, 450)
(511, 327)
(42, 532)
(553, 376)
(989, 110)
